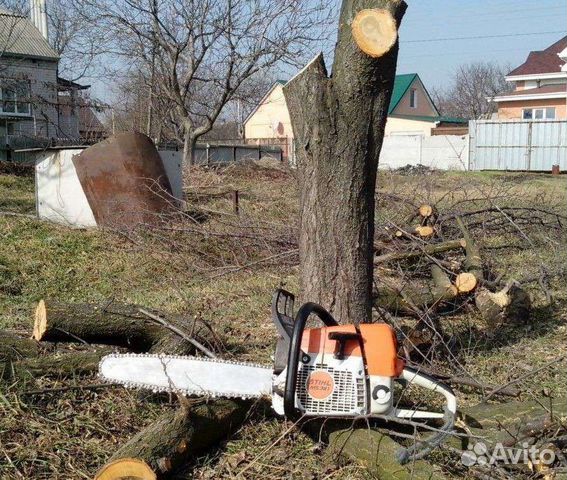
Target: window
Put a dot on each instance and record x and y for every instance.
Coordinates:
(538, 113)
(15, 97)
(13, 128)
(413, 98)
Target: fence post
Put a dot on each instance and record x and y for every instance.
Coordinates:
(529, 150)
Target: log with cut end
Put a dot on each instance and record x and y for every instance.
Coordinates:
(426, 210)
(430, 249)
(375, 31)
(177, 436)
(126, 469)
(424, 231)
(473, 261)
(410, 299)
(107, 324)
(465, 282)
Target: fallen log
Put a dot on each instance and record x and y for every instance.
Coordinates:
(410, 299)
(174, 439)
(378, 453)
(473, 261)
(13, 347)
(65, 365)
(465, 282)
(431, 249)
(111, 324)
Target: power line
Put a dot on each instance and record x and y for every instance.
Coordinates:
(477, 37)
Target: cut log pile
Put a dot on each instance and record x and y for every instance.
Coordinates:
(440, 274)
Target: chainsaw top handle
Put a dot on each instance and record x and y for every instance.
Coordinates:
(295, 351)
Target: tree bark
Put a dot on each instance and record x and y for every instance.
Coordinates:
(189, 143)
(63, 365)
(338, 124)
(13, 347)
(178, 435)
(431, 249)
(107, 324)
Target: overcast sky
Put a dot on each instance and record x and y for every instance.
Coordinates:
(428, 20)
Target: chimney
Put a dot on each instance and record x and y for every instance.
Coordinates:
(38, 16)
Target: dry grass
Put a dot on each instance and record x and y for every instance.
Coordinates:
(224, 280)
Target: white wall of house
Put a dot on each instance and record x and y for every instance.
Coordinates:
(271, 119)
(443, 152)
(405, 126)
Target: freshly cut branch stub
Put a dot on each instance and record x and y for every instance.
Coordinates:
(465, 282)
(126, 469)
(374, 31)
(426, 211)
(424, 231)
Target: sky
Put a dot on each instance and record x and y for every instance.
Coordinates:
(531, 24)
(431, 42)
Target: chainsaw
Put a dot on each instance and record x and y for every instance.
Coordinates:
(342, 371)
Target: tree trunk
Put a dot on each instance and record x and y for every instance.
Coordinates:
(338, 123)
(189, 143)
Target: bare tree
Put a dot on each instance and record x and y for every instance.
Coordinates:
(72, 38)
(201, 53)
(472, 86)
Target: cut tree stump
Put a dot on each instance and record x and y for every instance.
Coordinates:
(473, 261)
(111, 324)
(511, 304)
(178, 435)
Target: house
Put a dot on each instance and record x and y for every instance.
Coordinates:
(540, 86)
(37, 106)
(411, 112)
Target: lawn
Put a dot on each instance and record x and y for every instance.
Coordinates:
(227, 281)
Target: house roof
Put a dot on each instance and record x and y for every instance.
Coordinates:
(20, 38)
(543, 61)
(401, 85)
(547, 91)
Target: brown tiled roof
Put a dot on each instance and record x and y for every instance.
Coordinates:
(538, 91)
(544, 61)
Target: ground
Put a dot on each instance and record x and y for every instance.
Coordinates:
(226, 279)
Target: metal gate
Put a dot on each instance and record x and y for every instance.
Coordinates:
(534, 145)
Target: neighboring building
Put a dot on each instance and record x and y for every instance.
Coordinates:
(37, 107)
(540, 86)
(411, 112)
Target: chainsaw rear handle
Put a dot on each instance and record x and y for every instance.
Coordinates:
(423, 448)
(295, 351)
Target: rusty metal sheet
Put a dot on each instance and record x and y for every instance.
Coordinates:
(124, 180)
